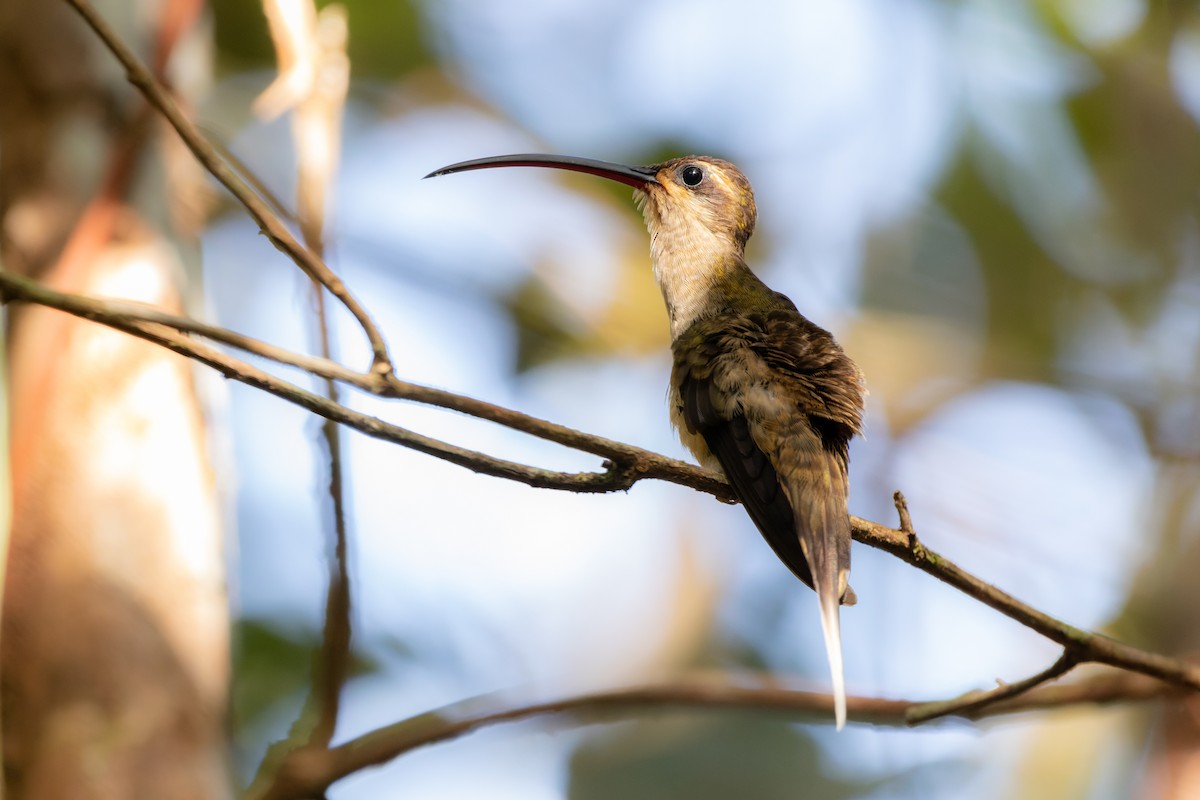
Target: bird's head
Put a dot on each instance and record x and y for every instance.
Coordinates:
(699, 191)
(689, 199)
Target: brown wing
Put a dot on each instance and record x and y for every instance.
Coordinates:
(801, 362)
(748, 470)
(827, 384)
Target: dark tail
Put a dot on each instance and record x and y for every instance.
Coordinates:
(817, 492)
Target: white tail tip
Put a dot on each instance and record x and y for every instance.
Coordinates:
(831, 627)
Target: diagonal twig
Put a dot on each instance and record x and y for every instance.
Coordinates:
(312, 773)
(971, 703)
(1085, 645)
(626, 463)
(207, 155)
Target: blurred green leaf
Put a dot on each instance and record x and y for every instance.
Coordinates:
(272, 666)
(546, 331)
(1024, 285)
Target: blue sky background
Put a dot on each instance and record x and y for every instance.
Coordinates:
(1033, 468)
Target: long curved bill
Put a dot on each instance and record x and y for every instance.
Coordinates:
(637, 177)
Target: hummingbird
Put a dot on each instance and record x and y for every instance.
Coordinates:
(757, 391)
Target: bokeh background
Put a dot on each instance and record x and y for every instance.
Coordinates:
(993, 205)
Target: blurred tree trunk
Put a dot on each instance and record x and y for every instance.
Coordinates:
(114, 644)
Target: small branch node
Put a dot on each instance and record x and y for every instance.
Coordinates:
(906, 525)
(971, 704)
(381, 370)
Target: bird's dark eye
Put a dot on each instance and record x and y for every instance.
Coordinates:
(692, 175)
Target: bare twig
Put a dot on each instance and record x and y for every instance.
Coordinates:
(335, 643)
(314, 772)
(126, 315)
(626, 464)
(906, 525)
(207, 155)
(1086, 646)
(312, 51)
(975, 702)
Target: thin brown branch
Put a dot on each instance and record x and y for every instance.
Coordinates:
(976, 702)
(1106, 689)
(649, 465)
(615, 477)
(334, 666)
(269, 222)
(310, 773)
(312, 83)
(626, 466)
(335, 645)
(115, 312)
(123, 315)
(906, 525)
(1086, 646)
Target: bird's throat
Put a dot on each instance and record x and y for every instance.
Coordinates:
(692, 271)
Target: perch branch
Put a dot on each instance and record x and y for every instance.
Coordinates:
(310, 773)
(1086, 646)
(625, 465)
(976, 702)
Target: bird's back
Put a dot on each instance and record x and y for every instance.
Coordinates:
(772, 401)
